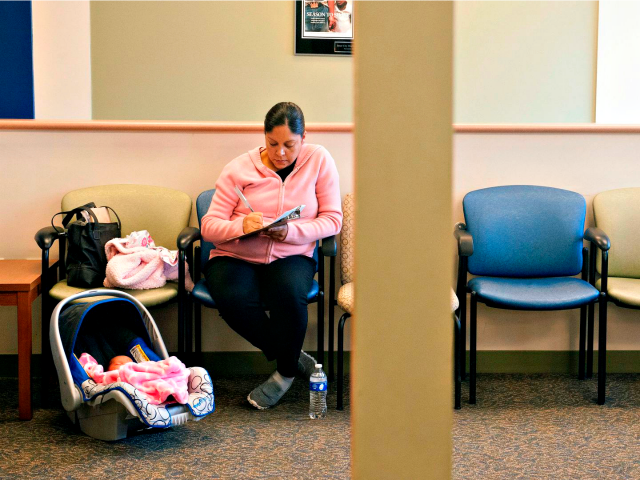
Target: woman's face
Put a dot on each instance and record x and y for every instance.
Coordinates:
(283, 146)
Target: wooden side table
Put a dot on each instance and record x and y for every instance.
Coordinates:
(20, 286)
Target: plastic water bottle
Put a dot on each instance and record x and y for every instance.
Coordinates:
(318, 393)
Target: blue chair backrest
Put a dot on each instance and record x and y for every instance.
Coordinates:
(203, 203)
(525, 231)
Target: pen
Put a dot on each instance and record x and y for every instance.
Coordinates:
(243, 198)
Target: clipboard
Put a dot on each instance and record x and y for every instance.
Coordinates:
(286, 217)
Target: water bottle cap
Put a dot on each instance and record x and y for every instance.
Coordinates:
(318, 365)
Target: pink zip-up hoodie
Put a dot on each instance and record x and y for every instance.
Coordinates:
(313, 182)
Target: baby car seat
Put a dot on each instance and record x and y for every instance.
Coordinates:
(104, 328)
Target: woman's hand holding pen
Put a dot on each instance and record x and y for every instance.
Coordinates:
(252, 222)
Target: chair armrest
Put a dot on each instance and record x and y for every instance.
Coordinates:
(598, 237)
(329, 246)
(46, 237)
(465, 240)
(187, 236)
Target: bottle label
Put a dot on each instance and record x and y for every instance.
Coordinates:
(318, 386)
(138, 354)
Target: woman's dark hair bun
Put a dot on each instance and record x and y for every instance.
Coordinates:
(285, 113)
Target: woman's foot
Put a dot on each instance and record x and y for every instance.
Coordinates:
(306, 364)
(270, 392)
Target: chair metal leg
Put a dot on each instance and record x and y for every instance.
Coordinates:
(198, 331)
(591, 311)
(188, 313)
(463, 337)
(461, 293)
(320, 353)
(457, 363)
(196, 307)
(340, 392)
(602, 348)
(330, 375)
(182, 300)
(332, 289)
(189, 329)
(46, 359)
(581, 351)
(590, 325)
(473, 314)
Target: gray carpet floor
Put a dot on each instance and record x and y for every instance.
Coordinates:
(523, 426)
(235, 442)
(548, 427)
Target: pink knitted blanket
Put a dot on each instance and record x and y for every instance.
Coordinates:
(157, 380)
(135, 262)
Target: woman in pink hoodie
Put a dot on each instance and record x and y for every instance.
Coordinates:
(275, 267)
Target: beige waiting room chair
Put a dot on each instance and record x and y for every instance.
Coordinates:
(164, 212)
(346, 300)
(345, 294)
(617, 215)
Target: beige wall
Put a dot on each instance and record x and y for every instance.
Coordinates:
(571, 161)
(525, 62)
(618, 63)
(515, 62)
(520, 62)
(35, 181)
(40, 167)
(227, 61)
(585, 163)
(62, 60)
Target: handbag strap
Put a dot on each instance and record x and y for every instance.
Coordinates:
(114, 212)
(70, 213)
(76, 211)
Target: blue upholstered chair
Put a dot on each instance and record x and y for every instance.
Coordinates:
(200, 295)
(525, 246)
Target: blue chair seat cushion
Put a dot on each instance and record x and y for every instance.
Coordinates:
(201, 294)
(551, 293)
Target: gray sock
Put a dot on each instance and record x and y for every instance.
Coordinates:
(270, 392)
(306, 364)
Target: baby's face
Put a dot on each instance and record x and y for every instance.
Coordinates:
(117, 362)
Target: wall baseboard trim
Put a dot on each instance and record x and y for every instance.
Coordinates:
(160, 126)
(545, 128)
(515, 361)
(223, 364)
(257, 127)
(218, 364)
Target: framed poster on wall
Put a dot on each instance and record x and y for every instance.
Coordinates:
(324, 27)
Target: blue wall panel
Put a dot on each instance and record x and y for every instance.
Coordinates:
(16, 60)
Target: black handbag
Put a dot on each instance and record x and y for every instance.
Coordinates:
(86, 257)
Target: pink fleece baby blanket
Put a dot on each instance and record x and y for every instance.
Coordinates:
(135, 262)
(157, 380)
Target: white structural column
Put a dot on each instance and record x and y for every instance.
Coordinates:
(62, 60)
(403, 332)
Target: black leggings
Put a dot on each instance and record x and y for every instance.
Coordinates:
(242, 291)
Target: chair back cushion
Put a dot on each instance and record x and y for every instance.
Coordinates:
(164, 212)
(203, 203)
(617, 213)
(525, 231)
(347, 239)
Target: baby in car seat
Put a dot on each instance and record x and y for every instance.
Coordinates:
(117, 361)
(157, 380)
